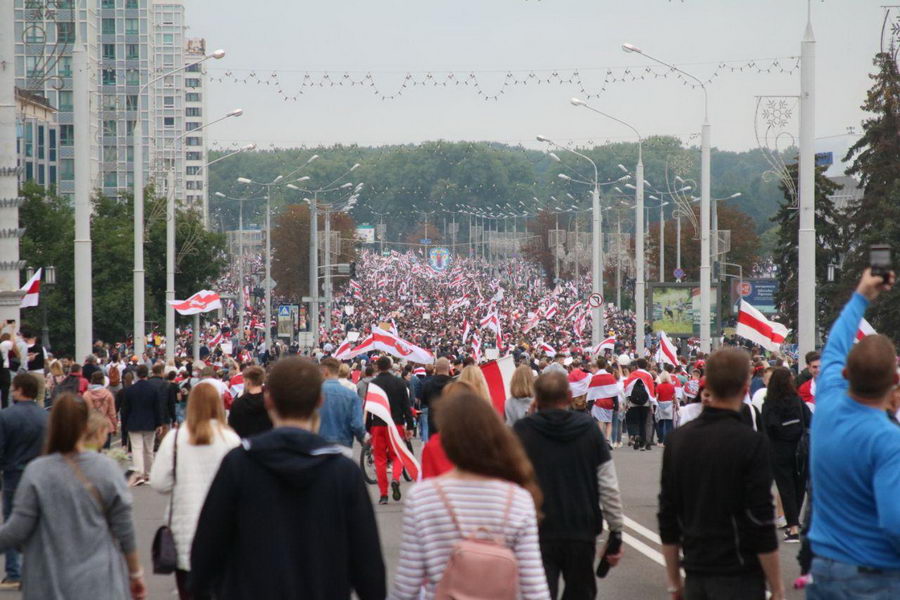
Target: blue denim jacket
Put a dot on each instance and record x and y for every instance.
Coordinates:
(341, 417)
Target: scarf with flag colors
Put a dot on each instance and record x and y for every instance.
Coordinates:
(579, 382)
(645, 377)
(476, 347)
(378, 405)
(754, 326)
(603, 388)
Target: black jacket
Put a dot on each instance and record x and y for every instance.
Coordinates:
(287, 518)
(249, 416)
(22, 429)
(784, 420)
(566, 449)
(141, 407)
(431, 391)
(398, 395)
(715, 498)
(168, 396)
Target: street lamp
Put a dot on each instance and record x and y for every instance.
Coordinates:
(705, 249)
(639, 226)
(170, 236)
(138, 193)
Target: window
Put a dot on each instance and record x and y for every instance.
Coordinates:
(168, 60)
(110, 154)
(129, 126)
(131, 4)
(64, 3)
(193, 68)
(192, 111)
(168, 38)
(109, 76)
(65, 32)
(190, 184)
(132, 51)
(192, 171)
(109, 102)
(108, 27)
(67, 169)
(132, 77)
(192, 125)
(52, 175)
(129, 153)
(64, 68)
(192, 97)
(32, 67)
(168, 100)
(131, 102)
(40, 141)
(168, 121)
(66, 135)
(109, 127)
(109, 51)
(191, 82)
(110, 179)
(34, 35)
(41, 180)
(132, 26)
(52, 148)
(193, 141)
(29, 171)
(65, 100)
(193, 156)
(29, 141)
(107, 3)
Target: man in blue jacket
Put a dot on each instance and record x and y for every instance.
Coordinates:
(341, 413)
(142, 418)
(855, 461)
(22, 429)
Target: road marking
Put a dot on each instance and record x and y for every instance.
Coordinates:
(640, 529)
(644, 549)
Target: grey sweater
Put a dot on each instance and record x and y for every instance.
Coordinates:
(71, 550)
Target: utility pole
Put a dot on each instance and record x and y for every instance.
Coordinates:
(619, 259)
(84, 316)
(806, 252)
(10, 265)
(328, 269)
(314, 267)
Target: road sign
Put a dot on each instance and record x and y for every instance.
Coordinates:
(284, 310)
(678, 273)
(425, 241)
(272, 283)
(595, 301)
(285, 321)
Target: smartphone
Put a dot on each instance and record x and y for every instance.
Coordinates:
(10, 321)
(880, 259)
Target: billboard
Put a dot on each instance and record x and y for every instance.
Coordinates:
(758, 292)
(365, 234)
(675, 308)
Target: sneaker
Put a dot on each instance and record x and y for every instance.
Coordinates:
(781, 522)
(792, 538)
(382, 500)
(10, 584)
(395, 488)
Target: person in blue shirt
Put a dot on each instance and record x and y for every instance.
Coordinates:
(341, 414)
(855, 461)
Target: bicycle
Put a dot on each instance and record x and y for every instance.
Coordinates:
(367, 464)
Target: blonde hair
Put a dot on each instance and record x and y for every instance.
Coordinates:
(664, 377)
(97, 428)
(344, 371)
(56, 368)
(203, 407)
(522, 384)
(474, 377)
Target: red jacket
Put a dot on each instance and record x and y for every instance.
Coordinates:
(434, 459)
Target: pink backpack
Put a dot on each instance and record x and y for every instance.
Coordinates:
(481, 567)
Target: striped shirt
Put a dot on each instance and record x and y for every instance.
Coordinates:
(429, 533)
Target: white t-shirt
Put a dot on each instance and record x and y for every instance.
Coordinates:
(759, 397)
(6, 347)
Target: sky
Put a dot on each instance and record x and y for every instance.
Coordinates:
(389, 38)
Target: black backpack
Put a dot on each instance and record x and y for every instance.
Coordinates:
(69, 384)
(639, 395)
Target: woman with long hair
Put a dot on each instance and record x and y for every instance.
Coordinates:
(185, 466)
(521, 390)
(492, 488)
(434, 460)
(785, 417)
(72, 517)
(55, 376)
(474, 376)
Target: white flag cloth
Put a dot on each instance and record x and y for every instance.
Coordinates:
(754, 326)
(201, 302)
(32, 289)
(377, 404)
(667, 352)
(548, 349)
(385, 341)
(864, 329)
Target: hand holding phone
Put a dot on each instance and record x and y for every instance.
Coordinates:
(880, 259)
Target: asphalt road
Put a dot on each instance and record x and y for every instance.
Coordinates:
(640, 575)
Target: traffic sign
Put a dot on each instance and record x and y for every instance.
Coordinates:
(425, 241)
(284, 310)
(678, 273)
(595, 301)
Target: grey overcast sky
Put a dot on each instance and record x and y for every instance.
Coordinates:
(391, 37)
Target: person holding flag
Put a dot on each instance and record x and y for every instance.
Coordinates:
(384, 444)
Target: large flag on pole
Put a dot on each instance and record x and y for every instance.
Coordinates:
(667, 351)
(201, 302)
(385, 341)
(498, 373)
(32, 289)
(754, 326)
(377, 404)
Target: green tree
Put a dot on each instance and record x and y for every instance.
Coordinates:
(830, 245)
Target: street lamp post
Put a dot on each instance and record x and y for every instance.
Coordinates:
(806, 251)
(138, 193)
(705, 289)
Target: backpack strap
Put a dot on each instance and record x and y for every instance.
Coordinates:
(506, 510)
(446, 501)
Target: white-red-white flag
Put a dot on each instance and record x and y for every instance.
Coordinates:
(343, 350)
(385, 341)
(573, 309)
(498, 374)
(645, 377)
(32, 289)
(864, 329)
(492, 321)
(754, 326)
(466, 330)
(667, 352)
(531, 322)
(476, 347)
(377, 404)
(201, 302)
(548, 349)
(551, 310)
(603, 385)
(579, 382)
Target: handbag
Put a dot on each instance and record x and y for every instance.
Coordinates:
(163, 553)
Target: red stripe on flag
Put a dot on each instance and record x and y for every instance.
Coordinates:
(762, 327)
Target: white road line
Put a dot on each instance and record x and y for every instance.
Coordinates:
(640, 529)
(644, 549)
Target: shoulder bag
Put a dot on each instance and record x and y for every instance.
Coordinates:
(164, 553)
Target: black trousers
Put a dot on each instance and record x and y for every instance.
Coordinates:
(791, 485)
(636, 419)
(748, 586)
(5, 381)
(575, 562)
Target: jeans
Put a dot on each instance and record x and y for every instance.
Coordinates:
(663, 428)
(617, 427)
(180, 408)
(573, 560)
(13, 558)
(833, 580)
(748, 586)
(423, 425)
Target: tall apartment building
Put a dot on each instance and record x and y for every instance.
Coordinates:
(196, 194)
(45, 34)
(168, 122)
(37, 139)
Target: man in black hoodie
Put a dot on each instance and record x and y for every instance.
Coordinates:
(578, 479)
(288, 516)
(248, 416)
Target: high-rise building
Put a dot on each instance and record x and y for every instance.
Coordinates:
(196, 192)
(168, 125)
(37, 139)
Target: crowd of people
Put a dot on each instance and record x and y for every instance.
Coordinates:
(511, 500)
